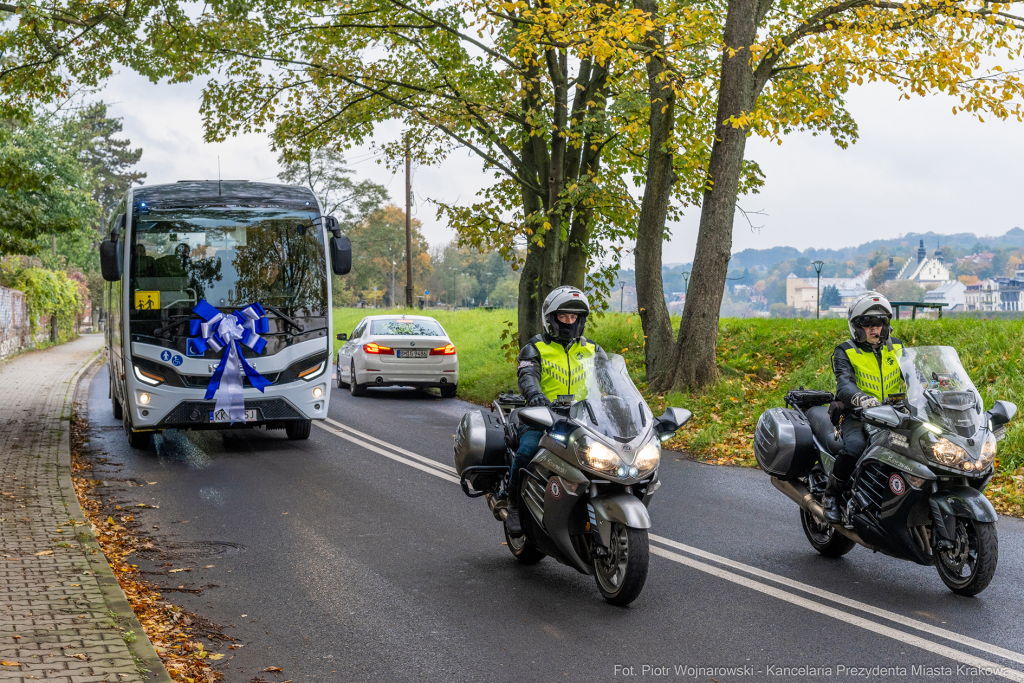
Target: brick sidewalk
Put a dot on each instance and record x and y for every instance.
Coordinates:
(54, 620)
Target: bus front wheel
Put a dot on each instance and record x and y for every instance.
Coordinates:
(297, 430)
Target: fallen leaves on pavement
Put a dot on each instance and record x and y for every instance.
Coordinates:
(174, 632)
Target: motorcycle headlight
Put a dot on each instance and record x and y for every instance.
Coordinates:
(598, 456)
(945, 452)
(648, 457)
(988, 451)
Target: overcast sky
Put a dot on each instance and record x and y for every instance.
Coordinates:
(916, 168)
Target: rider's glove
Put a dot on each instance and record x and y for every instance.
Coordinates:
(538, 400)
(866, 401)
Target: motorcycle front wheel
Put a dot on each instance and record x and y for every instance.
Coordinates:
(622, 573)
(823, 537)
(969, 566)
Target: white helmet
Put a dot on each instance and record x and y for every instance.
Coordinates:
(564, 299)
(869, 307)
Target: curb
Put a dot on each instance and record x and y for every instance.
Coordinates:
(141, 649)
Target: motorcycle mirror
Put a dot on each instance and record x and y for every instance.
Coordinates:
(886, 415)
(538, 417)
(674, 418)
(1002, 412)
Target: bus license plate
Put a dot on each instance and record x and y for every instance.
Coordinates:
(222, 416)
(412, 353)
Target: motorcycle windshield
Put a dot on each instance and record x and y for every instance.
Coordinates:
(939, 389)
(608, 402)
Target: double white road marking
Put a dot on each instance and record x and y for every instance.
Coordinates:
(791, 596)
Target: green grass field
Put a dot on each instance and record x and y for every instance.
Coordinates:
(759, 361)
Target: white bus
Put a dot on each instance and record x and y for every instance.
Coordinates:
(219, 304)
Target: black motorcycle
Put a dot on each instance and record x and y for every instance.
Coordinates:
(583, 498)
(916, 492)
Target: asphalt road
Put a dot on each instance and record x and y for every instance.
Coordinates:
(342, 558)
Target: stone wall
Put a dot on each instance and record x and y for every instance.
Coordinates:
(14, 324)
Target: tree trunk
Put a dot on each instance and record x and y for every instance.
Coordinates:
(694, 361)
(660, 177)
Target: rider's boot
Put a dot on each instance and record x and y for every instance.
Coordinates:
(512, 521)
(830, 501)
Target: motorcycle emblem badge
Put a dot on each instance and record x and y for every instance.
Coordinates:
(556, 490)
(897, 485)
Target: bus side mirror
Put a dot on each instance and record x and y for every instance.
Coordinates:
(111, 259)
(341, 254)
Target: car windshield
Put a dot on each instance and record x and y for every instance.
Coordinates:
(939, 389)
(608, 402)
(230, 256)
(406, 327)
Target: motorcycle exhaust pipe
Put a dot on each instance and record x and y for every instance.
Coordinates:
(800, 495)
(500, 515)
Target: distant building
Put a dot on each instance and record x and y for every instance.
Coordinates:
(802, 293)
(982, 296)
(925, 270)
(951, 293)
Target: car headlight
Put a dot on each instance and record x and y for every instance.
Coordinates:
(648, 457)
(988, 451)
(598, 456)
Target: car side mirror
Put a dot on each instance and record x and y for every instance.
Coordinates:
(538, 417)
(341, 253)
(674, 418)
(342, 336)
(886, 415)
(111, 259)
(1002, 412)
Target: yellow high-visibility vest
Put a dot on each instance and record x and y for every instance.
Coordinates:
(877, 375)
(563, 371)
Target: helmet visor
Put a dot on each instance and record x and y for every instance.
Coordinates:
(871, 320)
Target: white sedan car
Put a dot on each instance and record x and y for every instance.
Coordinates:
(398, 350)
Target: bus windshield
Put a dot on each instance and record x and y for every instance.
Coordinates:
(229, 256)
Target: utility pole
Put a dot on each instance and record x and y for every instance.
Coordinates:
(408, 229)
(817, 302)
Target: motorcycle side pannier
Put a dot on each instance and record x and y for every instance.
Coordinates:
(783, 443)
(480, 441)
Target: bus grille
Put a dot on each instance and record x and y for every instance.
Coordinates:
(270, 409)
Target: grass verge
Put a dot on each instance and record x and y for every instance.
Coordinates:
(759, 361)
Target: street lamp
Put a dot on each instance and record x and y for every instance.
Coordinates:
(686, 282)
(622, 290)
(817, 302)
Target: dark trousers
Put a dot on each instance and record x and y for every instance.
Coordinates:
(855, 440)
(529, 442)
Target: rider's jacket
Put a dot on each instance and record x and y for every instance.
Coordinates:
(862, 369)
(552, 368)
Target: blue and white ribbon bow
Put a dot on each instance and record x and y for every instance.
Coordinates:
(225, 332)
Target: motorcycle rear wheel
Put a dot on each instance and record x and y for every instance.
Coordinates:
(522, 549)
(621, 575)
(823, 537)
(968, 568)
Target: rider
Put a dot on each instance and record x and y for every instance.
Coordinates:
(549, 365)
(867, 371)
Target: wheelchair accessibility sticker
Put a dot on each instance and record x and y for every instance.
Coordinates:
(175, 359)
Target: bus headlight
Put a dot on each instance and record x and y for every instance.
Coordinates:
(144, 398)
(150, 378)
(318, 392)
(648, 457)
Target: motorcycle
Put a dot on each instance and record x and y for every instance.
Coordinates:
(917, 491)
(583, 498)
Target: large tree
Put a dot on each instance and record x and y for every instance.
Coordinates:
(523, 87)
(324, 172)
(788, 66)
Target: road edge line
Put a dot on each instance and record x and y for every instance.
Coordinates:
(823, 594)
(397, 458)
(141, 648)
(839, 615)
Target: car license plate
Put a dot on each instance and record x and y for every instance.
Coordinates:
(412, 353)
(222, 416)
